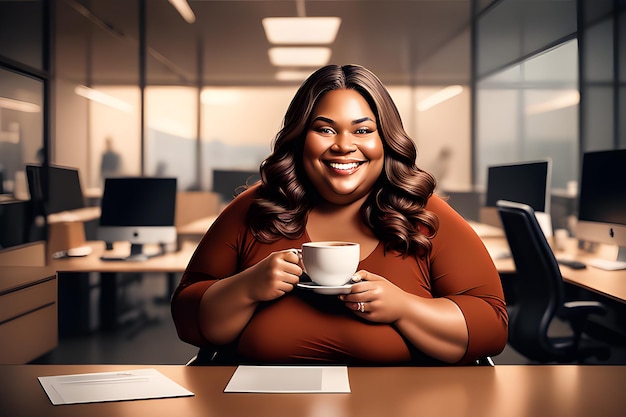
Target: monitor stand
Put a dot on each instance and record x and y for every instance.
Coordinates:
(136, 254)
(611, 265)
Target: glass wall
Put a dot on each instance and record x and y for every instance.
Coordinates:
(22, 77)
(24, 115)
(549, 83)
(527, 87)
(97, 92)
(603, 72)
(21, 130)
(142, 85)
(530, 111)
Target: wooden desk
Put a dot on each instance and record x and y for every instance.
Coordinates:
(170, 263)
(611, 284)
(512, 391)
(78, 215)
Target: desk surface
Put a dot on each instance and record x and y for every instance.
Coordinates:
(607, 283)
(78, 215)
(169, 262)
(511, 391)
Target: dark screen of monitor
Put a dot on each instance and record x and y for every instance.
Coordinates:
(522, 183)
(603, 187)
(64, 191)
(138, 201)
(227, 183)
(15, 223)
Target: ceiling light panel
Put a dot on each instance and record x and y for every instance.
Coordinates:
(287, 75)
(299, 56)
(301, 30)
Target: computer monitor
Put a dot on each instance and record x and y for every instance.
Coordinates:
(227, 183)
(58, 188)
(139, 210)
(521, 182)
(602, 201)
(15, 223)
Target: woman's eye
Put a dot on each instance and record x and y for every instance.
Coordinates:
(326, 130)
(362, 131)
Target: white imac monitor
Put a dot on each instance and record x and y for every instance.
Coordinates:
(602, 203)
(139, 210)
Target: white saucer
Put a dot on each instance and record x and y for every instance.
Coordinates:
(326, 290)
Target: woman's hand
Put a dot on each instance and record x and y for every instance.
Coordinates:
(374, 298)
(228, 305)
(435, 326)
(273, 276)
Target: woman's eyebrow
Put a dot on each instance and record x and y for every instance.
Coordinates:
(354, 122)
(362, 119)
(324, 119)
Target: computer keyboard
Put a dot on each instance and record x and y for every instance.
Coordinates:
(606, 264)
(571, 263)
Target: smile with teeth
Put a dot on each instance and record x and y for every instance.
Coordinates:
(344, 166)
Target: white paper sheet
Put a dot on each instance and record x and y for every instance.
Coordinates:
(137, 384)
(289, 379)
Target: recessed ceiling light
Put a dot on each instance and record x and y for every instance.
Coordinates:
(301, 30)
(439, 97)
(562, 101)
(24, 106)
(184, 9)
(103, 98)
(287, 75)
(299, 56)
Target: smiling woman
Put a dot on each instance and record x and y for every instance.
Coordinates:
(342, 169)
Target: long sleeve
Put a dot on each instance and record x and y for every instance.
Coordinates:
(462, 270)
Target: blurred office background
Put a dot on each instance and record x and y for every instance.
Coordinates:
(478, 82)
(516, 80)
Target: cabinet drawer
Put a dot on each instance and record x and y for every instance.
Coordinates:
(16, 303)
(29, 336)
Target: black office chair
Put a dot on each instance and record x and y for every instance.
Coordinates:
(540, 295)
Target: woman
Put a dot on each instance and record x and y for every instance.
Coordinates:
(342, 168)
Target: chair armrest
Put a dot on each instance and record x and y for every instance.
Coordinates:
(584, 308)
(579, 311)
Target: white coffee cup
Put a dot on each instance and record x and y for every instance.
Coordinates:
(330, 263)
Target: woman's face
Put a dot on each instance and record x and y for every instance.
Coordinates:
(343, 152)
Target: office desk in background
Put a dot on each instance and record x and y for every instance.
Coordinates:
(68, 269)
(168, 262)
(512, 391)
(610, 284)
(172, 263)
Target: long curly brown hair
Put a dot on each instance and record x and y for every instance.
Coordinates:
(394, 210)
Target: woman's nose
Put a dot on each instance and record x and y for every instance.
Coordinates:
(343, 143)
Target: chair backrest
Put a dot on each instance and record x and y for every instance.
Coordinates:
(540, 289)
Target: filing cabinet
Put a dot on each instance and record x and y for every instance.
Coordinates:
(28, 313)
